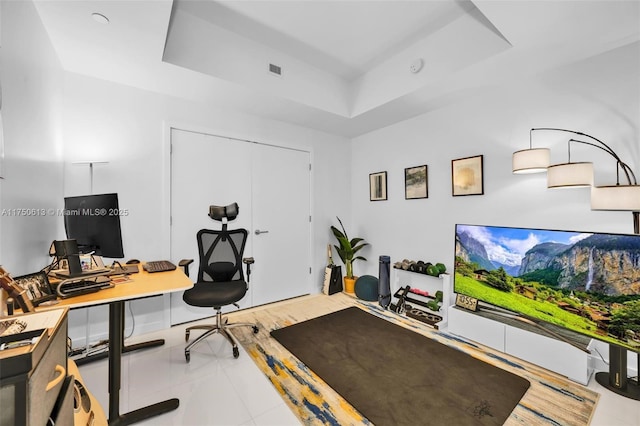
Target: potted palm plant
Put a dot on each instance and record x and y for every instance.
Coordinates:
(347, 249)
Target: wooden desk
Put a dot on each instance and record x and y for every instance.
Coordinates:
(143, 284)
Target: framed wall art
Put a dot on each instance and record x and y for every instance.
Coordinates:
(378, 186)
(415, 183)
(466, 176)
(37, 287)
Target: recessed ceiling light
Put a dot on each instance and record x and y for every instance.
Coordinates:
(98, 17)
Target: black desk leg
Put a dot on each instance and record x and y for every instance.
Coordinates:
(125, 349)
(116, 321)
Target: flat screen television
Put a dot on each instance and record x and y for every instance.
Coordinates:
(94, 222)
(586, 282)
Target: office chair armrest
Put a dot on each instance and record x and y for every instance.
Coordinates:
(184, 263)
(248, 261)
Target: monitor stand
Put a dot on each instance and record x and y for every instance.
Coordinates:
(75, 270)
(616, 378)
(67, 274)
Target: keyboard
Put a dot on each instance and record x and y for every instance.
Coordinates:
(159, 266)
(72, 288)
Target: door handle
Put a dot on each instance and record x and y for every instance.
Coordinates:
(258, 232)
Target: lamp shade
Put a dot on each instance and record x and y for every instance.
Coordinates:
(616, 197)
(530, 160)
(570, 175)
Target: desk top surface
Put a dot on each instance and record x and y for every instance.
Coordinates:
(142, 284)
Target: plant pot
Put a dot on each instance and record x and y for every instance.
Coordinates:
(350, 285)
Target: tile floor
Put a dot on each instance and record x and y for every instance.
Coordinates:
(216, 389)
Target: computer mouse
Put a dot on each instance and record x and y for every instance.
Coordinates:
(133, 262)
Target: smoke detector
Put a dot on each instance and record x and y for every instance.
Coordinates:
(416, 65)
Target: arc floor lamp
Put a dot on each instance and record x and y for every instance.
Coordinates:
(618, 197)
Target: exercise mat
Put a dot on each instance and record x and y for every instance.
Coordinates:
(394, 376)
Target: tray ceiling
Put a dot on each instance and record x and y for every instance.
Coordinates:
(346, 65)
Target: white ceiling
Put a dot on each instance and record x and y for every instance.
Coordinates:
(343, 38)
(346, 64)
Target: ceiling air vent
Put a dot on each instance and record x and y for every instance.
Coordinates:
(275, 70)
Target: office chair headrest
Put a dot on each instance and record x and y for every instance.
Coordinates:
(219, 213)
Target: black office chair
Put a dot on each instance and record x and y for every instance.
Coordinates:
(220, 281)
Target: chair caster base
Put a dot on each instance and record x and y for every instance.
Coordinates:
(222, 326)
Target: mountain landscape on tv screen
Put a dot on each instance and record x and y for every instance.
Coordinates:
(586, 282)
(600, 263)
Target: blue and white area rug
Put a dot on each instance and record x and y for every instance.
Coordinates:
(550, 400)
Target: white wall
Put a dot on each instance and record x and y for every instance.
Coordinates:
(30, 76)
(126, 127)
(598, 97)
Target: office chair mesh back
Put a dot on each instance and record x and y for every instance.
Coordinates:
(221, 254)
(220, 282)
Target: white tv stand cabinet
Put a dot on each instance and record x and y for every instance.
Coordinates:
(550, 353)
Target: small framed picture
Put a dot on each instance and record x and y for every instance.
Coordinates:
(378, 186)
(415, 183)
(466, 176)
(37, 287)
(467, 302)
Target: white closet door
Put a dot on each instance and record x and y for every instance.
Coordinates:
(205, 170)
(281, 224)
(270, 184)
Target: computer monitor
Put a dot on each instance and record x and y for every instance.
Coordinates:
(94, 222)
